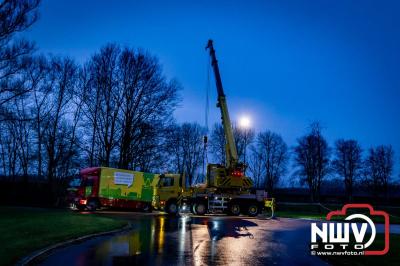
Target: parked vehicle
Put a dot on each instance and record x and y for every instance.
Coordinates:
(98, 187)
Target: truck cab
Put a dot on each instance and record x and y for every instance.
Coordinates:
(83, 189)
(167, 192)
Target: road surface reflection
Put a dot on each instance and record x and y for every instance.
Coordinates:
(163, 240)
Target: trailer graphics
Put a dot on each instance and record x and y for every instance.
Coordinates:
(109, 187)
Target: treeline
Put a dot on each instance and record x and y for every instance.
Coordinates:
(116, 110)
(57, 116)
(311, 161)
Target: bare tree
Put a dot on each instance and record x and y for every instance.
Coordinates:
(41, 110)
(217, 144)
(186, 149)
(256, 166)
(9, 147)
(21, 115)
(23, 133)
(57, 134)
(102, 101)
(243, 139)
(312, 160)
(174, 149)
(379, 168)
(127, 99)
(148, 99)
(150, 152)
(273, 152)
(348, 163)
(15, 16)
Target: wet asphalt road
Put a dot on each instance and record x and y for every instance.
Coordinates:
(208, 240)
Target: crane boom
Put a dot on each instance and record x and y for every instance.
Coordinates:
(230, 147)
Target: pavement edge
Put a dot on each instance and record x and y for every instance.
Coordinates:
(47, 250)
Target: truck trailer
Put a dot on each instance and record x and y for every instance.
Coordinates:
(98, 187)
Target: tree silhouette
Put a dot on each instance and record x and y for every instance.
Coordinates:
(311, 156)
(15, 16)
(268, 159)
(348, 163)
(379, 169)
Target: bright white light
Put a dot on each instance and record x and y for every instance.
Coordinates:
(244, 122)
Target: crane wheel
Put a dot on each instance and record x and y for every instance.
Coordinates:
(200, 208)
(253, 210)
(234, 209)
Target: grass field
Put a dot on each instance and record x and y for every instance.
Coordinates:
(315, 212)
(320, 216)
(24, 230)
(299, 214)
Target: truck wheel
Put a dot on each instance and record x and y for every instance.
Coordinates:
(147, 208)
(252, 210)
(193, 209)
(200, 208)
(172, 207)
(92, 205)
(234, 209)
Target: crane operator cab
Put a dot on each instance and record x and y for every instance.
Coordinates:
(221, 177)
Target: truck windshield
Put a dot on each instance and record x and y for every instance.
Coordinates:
(75, 182)
(89, 182)
(166, 182)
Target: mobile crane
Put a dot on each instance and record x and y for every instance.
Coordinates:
(227, 189)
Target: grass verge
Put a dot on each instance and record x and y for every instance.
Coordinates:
(322, 216)
(24, 230)
(307, 215)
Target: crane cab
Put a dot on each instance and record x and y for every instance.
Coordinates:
(221, 177)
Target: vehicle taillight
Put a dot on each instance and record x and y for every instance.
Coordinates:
(237, 173)
(82, 202)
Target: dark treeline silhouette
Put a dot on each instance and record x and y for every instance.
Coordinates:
(335, 172)
(116, 110)
(311, 158)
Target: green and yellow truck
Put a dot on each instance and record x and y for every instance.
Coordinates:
(109, 187)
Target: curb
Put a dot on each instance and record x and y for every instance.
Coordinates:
(47, 250)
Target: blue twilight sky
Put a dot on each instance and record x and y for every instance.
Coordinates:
(283, 63)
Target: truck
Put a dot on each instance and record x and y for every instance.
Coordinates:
(97, 187)
(226, 189)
